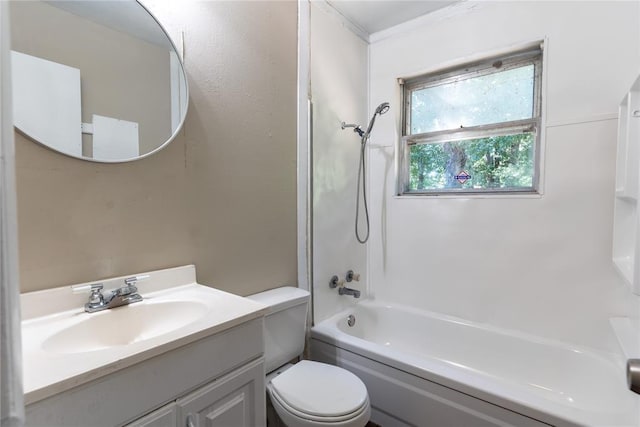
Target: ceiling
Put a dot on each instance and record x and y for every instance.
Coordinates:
(376, 15)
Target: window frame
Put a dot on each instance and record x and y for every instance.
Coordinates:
(532, 55)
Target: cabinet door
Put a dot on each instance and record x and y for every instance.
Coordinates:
(167, 416)
(235, 400)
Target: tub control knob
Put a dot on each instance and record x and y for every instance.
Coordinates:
(335, 282)
(351, 276)
(633, 375)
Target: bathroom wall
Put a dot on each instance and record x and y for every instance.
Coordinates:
(222, 195)
(538, 264)
(338, 69)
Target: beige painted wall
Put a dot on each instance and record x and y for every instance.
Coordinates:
(222, 195)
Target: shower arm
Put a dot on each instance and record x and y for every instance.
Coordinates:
(380, 110)
(356, 128)
(344, 125)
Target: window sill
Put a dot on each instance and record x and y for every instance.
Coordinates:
(468, 196)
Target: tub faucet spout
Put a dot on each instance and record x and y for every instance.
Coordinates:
(348, 291)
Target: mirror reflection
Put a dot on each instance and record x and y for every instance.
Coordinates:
(98, 80)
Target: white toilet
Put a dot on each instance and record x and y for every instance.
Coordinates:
(305, 394)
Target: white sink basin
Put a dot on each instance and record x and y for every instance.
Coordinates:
(124, 325)
(63, 346)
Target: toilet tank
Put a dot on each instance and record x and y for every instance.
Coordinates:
(285, 324)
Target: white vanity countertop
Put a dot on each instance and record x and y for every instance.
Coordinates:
(175, 311)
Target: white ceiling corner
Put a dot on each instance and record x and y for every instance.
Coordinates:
(377, 15)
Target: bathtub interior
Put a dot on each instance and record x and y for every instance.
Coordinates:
(555, 377)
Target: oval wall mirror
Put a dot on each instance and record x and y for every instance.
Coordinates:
(96, 80)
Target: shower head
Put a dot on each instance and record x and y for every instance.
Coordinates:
(382, 108)
(364, 135)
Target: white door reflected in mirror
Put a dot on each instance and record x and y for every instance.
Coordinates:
(96, 80)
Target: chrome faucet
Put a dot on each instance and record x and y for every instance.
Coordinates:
(348, 291)
(126, 294)
(335, 282)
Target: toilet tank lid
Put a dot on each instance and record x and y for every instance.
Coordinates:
(281, 298)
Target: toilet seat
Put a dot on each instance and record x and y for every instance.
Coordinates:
(317, 393)
(317, 418)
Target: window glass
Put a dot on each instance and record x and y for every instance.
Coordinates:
(498, 162)
(474, 128)
(498, 97)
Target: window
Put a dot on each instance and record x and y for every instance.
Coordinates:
(473, 128)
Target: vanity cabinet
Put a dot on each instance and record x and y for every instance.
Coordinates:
(229, 401)
(217, 380)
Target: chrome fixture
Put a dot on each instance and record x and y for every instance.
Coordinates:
(351, 320)
(351, 276)
(633, 375)
(124, 295)
(356, 128)
(380, 110)
(335, 282)
(364, 137)
(342, 290)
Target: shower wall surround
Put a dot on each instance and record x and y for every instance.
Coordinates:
(338, 69)
(222, 195)
(538, 264)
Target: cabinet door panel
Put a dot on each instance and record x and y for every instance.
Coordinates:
(235, 400)
(233, 410)
(167, 416)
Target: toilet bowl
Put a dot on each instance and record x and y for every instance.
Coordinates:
(308, 393)
(311, 394)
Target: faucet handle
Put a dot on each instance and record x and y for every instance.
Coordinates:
(130, 281)
(93, 288)
(335, 282)
(96, 298)
(351, 276)
(130, 285)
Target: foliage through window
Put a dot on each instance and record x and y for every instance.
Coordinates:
(473, 128)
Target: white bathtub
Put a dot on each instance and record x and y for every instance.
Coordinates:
(427, 369)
